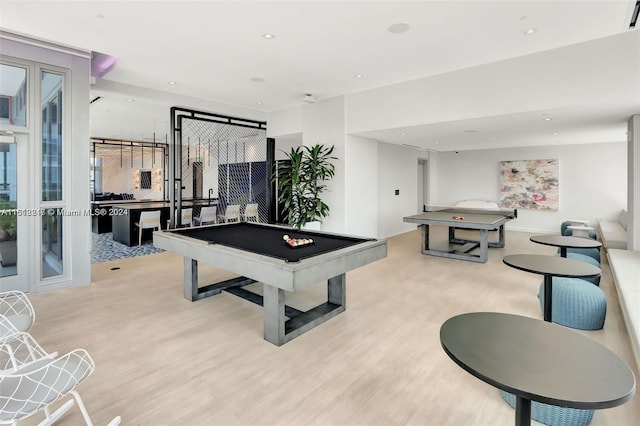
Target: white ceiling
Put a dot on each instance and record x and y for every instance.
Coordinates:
(213, 50)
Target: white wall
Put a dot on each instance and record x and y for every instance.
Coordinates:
(361, 186)
(592, 181)
(284, 122)
(633, 186)
(284, 145)
(119, 180)
(397, 169)
(323, 123)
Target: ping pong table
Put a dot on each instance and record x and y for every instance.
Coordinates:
(483, 220)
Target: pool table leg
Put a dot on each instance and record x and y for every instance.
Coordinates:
(190, 279)
(278, 330)
(274, 319)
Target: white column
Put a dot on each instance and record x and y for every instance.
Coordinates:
(324, 123)
(633, 176)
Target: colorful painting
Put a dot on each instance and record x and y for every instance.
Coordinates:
(529, 184)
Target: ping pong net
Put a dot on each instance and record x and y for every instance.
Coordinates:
(511, 213)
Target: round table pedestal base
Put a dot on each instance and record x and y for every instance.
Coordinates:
(523, 411)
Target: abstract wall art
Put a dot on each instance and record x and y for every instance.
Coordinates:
(529, 184)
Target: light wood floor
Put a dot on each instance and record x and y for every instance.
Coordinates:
(161, 360)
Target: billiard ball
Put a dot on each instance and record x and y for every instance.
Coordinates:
(286, 238)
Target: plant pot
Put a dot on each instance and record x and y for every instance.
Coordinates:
(8, 252)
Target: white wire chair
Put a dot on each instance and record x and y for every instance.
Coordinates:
(17, 309)
(19, 349)
(6, 328)
(36, 385)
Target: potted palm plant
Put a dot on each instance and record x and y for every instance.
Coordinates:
(301, 181)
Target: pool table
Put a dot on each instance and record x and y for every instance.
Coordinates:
(258, 253)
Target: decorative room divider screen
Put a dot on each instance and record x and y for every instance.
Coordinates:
(219, 160)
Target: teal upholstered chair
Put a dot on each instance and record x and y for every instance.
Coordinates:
(591, 252)
(586, 259)
(564, 229)
(553, 415)
(576, 303)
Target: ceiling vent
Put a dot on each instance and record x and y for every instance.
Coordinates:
(309, 98)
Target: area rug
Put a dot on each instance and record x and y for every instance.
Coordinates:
(105, 249)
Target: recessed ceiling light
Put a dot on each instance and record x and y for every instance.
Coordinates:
(268, 36)
(129, 100)
(358, 76)
(555, 134)
(257, 79)
(259, 103)
(172, 83)
(398, 28)
(547, 119)
(530, 31)
(403, 134)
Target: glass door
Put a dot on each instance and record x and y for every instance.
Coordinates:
(52, 200)
(8, 207)
(14, 218)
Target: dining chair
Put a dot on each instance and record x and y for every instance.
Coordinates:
(148, 220)
(186, 216)
(232, 213)
(251, 211)
(207, 215)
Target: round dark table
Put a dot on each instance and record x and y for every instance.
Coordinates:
(537, 361)
(550, 266)
(565, 242)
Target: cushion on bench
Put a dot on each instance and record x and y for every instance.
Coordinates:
(614, 233)
(625, 268)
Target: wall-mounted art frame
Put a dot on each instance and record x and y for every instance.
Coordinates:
(529, 184)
